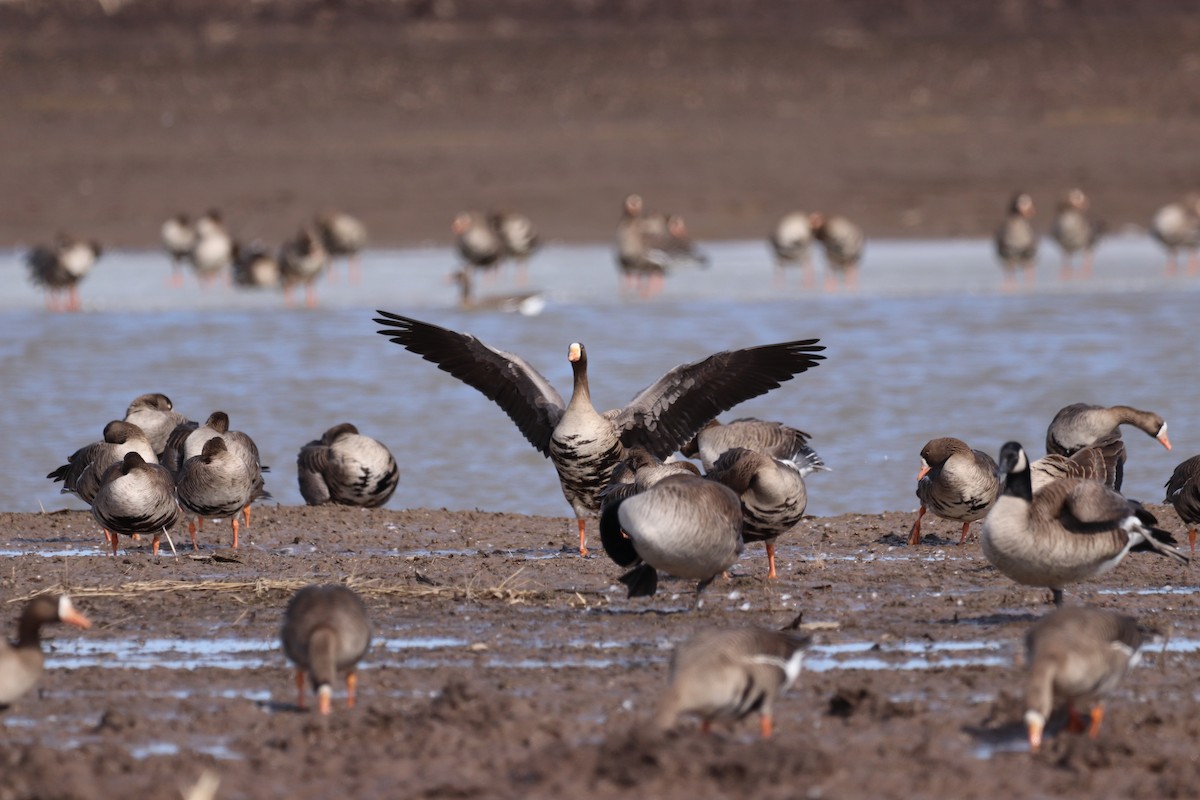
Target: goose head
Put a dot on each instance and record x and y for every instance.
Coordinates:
(816, 223)
(632, 207)
(120, 432)
(1022, 204)
(338, 431)
(218, 421)
(1013, 470)
(212, 448)
(461, 224)
(1077, 199)
(45, 609)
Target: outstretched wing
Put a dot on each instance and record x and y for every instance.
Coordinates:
(666, 414)
(524, 394)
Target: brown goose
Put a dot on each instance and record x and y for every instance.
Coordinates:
(254, 267)
(178, 238)
(477, 241)
(302, 259)
(21, 663)
(325, 632)
(769, 438)
(791, 243)
(1075, 232)
(346, 468)
(726, 675)
(1176, 226)
(212, 252)
(676, 522)
(216, 483)
(134, 498)
(156, 416)
(1183, 492)
(1069, 531)
(584, 445)
(649, 246)
(1079, 655)
(519, 238)
(528, 304)
(956, 482)
(343, 235)
(1081, 425)
(1094, 463)
(844, 243)
(60, 267)
(1016, 241)
(772, 495)
(188, 439)
(83, 470)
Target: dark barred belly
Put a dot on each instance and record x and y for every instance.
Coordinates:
(585, 467)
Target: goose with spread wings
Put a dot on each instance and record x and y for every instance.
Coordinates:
(584, 444)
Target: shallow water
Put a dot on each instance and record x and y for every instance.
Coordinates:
(928, 347)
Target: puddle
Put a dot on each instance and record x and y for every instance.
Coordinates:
(986, 750)
(1164, 590)
(914, 655)
(50, 553)
(521, 553)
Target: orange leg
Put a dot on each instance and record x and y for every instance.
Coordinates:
(154, 545)
(771, 561)
(767, 726)
(310, 296)
(1074, 721)
(966, 529)
(1192, 539)
(351, 685)
(235, 531)
(192, 531)
(113, 541)
(300, 689)
(915, 536)
(246, 514)
(583, 551)
(706, 726)
(1097, 718)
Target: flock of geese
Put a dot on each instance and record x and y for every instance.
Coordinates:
(649, 247)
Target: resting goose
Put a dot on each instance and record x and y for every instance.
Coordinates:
(188, 439)
(791, 243)
(674, 521)
(726, 675)
(135, 497)
(156, 416)
(1079, 655)
(1069, 531)
(1081, 425)
(21, 663)
(1183, 492)
(346, 468)
(772, 495)
(478, 242)
(519, 238)
(528, 304)
(584, 445)
(1075, 232)
(956, 483)
(343, 235)
(216, 483)
(302, 259)
(1176, 226)
(844, 243)
(325, 632)
(769, 438)
(60, 267)
(83, 470)
(1016, 241)
(178, 238)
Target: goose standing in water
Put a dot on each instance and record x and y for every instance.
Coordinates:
(528, 304)
(649, 246)
(956, 482)
(584, 445)
(178, 238)
(769, 438)
(83, 470)
(1016, 241)
(302, 259)
(157, 417)
(216, 483)
(21, 664)
(1079, 655)
(844, 243)
(212, 252)
(1069, 531)
(477, 241)
(1075, 232)
(347, 468)
(61, 267)
(1183, 492)
(1176, 226)
(727, 675)
(791, 243)
(254, 267)
(772, 494)
(325, 632)
(519, 238)
(1081, 425)
(136, 497)
(343, 235)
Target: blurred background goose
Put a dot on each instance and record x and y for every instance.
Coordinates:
(212, 250)
(1077, 655)
(178, 238)
(477, 241)
(254, 267)
(1075, 231)
(1071, 530)
(156, 416)
(1016, 241)
(136, 497)
(726, 675)
(650, 246)
(83, 470)
(1176, 226)
(343, 235)
(1183, 492)
(528, 304)
(1081, 425)
(519, 238)
(843, 242)
(956, 483)
(302, 259)
(791, 243)
(60, 267)
(325, 633)
(769, 438)
(346, 468)
(584, 445)
(22, 662)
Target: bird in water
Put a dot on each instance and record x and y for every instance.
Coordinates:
(844, 243)
(1016, 241)
(60, 268)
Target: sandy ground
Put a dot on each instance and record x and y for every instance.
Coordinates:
(538, 676)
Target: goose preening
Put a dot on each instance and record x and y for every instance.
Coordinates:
(216, 483)
(178, 238)
(60, 267)
(726, 675)
(769, 438)
(346, 468)
(1075, 232)
(477, 241)
(83, 470)
(843, 242)
(649, 246)
(212, 250)
(156, 416)
(188, 440)
(1183, 492)
(1071, 530)
(772, 494)
(136, 497)
(343, 235)
(529, 304)
(519, 238)
(673, 520)
(325, 633)
(302, 259)
(583, 444)
(1078, 655)
(956, 483)
(21, 663)
(791, 243)
(1082, 425)
(1016, 241)
(254, 267)
(1176, 226)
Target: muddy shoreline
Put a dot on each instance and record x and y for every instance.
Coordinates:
(504, 665)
